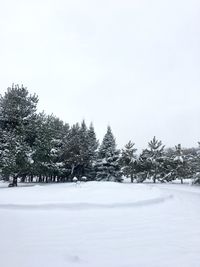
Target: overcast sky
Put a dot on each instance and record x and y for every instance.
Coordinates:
(132, 64)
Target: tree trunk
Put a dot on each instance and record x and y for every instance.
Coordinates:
(22, 179)
(72, 170)
(15, 180)
(131, 178)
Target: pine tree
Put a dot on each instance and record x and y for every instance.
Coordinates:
(84, 149)
(181, 165)
(17, 115)
(48, 148)
(17, 108)
(71, 151)
(108, 145)
(80, 149)
(58, 132)
(107, 165)
(195, 165)
(92, 152)
(167, 166)
(15, 156)
(143, 166)
(153, 156)
(93, 143)
(128, 160)
(42, 147)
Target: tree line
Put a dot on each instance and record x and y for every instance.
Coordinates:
(36, 147)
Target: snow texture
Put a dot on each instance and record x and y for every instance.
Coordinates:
(99, 224)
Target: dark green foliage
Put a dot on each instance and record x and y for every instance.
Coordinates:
(151, 160)
(79, 153)
(41, 148)
(48, 147)
(17, 118)
(107, 165)
(108, 145)
(181, 165)
(17, 109)
(128, 160)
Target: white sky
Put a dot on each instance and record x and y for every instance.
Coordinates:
(132, 64)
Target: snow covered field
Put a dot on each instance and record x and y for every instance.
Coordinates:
(100, 225)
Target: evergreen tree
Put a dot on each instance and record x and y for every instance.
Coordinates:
(107, 165)
(17, 109)
(58, 132)
(93, 143)
(17, 115)
(128, 160)
(71, 151)
(80, 150)
(181, 165)
(108, 145)
(153, 156)
(143, 167)
(48, 148)
(84, 149)
(195, 165)
(92, 152)
(167, 167)
(42, 147)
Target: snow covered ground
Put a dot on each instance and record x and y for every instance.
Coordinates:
(100, 225)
